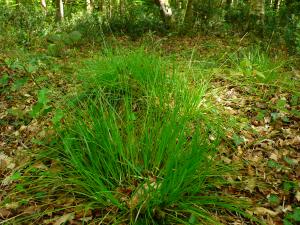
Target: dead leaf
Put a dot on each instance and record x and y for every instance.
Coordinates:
(64, 218)
(297, 196)
(250, 184)
(274, 156)
(12, 205)
(31, 210)
(264, 211)
(226, 159)
(4, 213)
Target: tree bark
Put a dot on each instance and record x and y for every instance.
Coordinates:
(189, 15)
(166, 11)
(89, 6)
(122, 7)
(59, 10)
(44, 6)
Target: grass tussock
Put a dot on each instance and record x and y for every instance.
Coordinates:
(140, 139)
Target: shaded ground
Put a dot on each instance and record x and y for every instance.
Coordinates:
(266, 150)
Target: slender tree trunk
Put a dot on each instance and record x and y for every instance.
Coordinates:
(165, 11)
(18, 4)
(59, 10)
(100, 5)
(228, 4)
(89, 6)
(122, 7)
(189, 15)
(44, 6)
(257, 15)
(258, 8)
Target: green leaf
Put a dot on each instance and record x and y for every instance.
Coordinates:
(274, 164)
(294, 100)
(237, 140)
(286, 222)
(36, 109)
(59, 114)
(16, 176)
(19, 83)
(20, 187)
(261, 114)
(193, 219)
(288, 185)
(132, 116)
(260, 74)
(280, 105)
(275, 116)
(4, 80)
(290, 161)
(285, 119)
(31, 68)
(42, 96)
(273, 199)
(24, 201)
(296, 215)
(75, 36)
(40, 194)
(295, 112)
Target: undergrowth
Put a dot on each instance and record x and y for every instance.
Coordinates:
(138, 143)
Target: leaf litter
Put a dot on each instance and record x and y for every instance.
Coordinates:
(265, 148)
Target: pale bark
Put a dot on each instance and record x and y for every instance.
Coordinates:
(165, 7)
(100, 4)
(258, 8)
(59, 10)
(44, 6)
(109, 7)
(166, 11)
(89, 6)
(122, 7)
(276, 5)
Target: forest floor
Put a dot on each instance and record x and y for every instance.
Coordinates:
(265, 150)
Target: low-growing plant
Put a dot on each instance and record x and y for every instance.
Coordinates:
(141, 141)
(256, 71)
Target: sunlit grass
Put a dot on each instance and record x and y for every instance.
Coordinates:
(139, 143)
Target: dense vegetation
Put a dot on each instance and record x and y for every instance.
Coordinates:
(149, 112)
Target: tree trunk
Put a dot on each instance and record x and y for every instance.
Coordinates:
(276, 5)
(100, 5)
(122, 7)
(109, 9)
(258, 9)
(257, 16)
(89, 6)
(59, 10)
(44, 6)
(228, 4)
(166, 11)
(189, 15)
(17, 4)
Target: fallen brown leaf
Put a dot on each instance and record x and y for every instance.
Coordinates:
(264, 211)
(64, 218)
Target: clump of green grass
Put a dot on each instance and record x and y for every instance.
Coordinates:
(140, 145)
(255, 65)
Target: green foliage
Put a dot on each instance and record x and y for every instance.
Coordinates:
(42, 105)
(255, 65)
(24, 26)
(59, 42)
(292, 218)
(135, 138)
(291, 35)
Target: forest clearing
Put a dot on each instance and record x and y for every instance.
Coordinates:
(150, 112)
